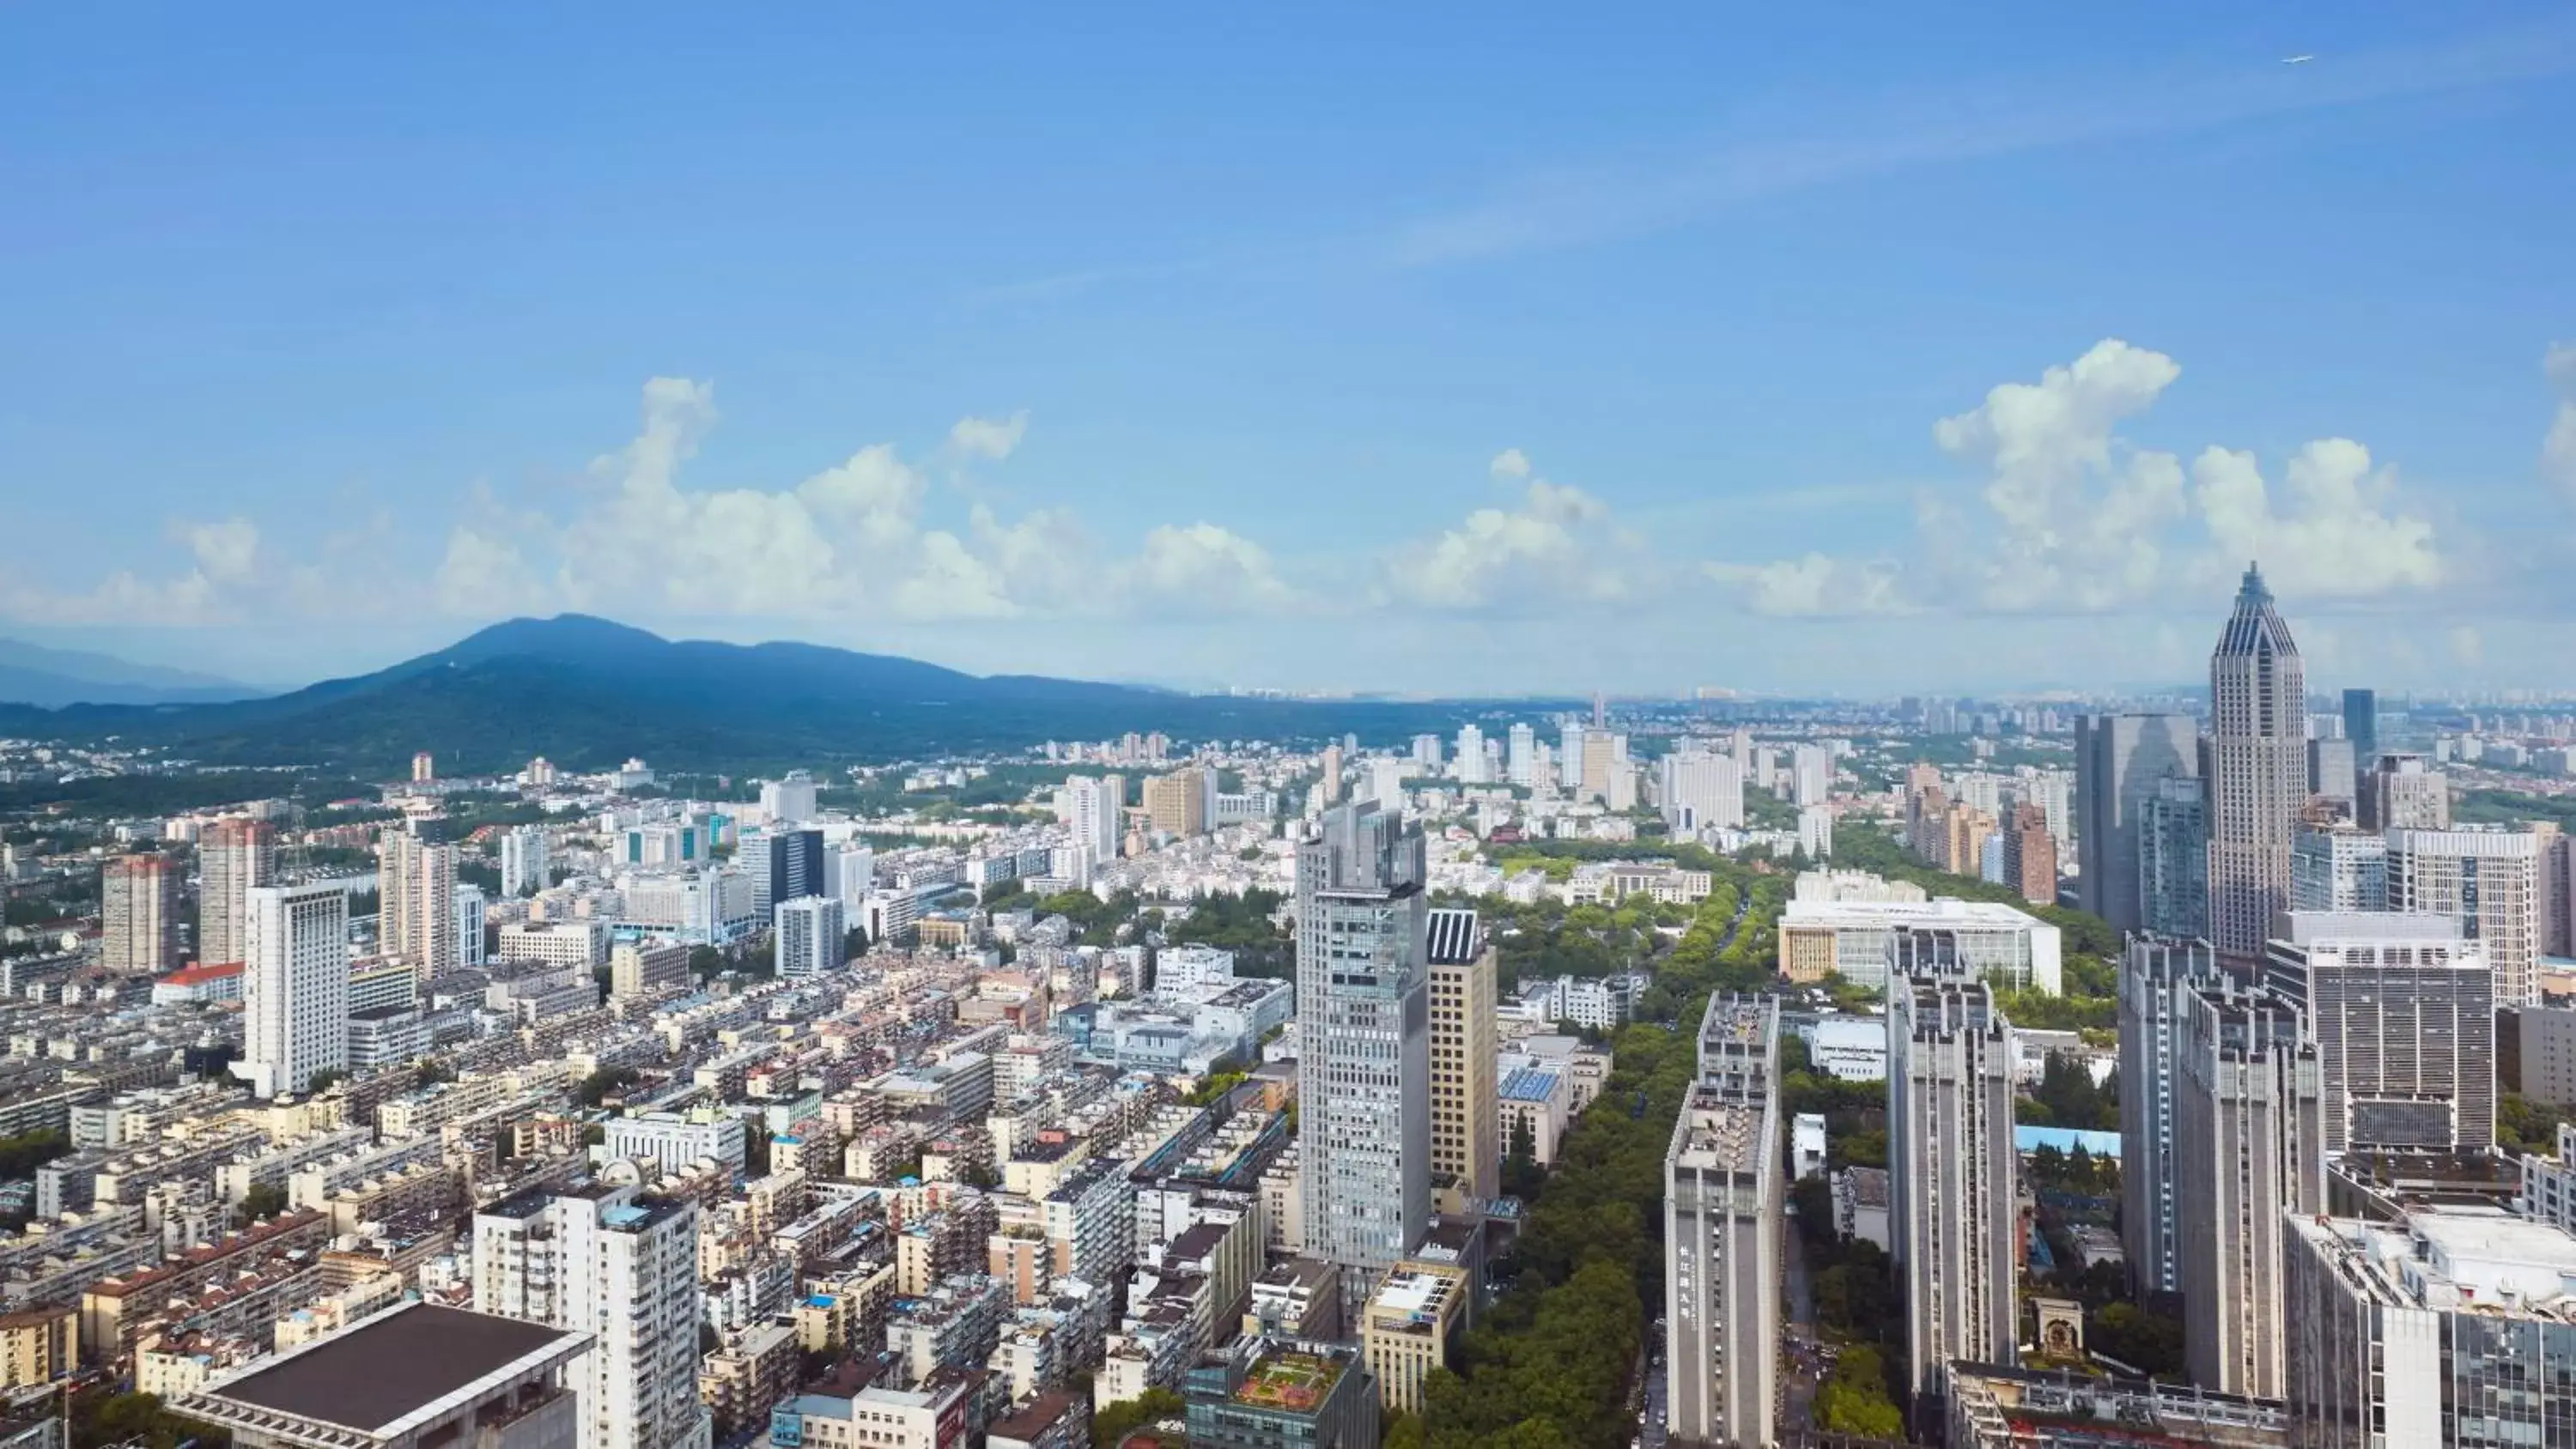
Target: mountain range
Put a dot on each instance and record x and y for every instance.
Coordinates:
(52, 678)
(588, 692)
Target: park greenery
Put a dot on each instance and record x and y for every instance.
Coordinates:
(1857, 1311)
(1551, 1365)
(1116, 1421)
(1241, 924)
(2523, 1125)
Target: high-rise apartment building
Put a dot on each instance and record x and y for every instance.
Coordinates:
(2403, 792)
(1332, 781)
(1723, 1214)
(416, 898)
(1364, 1044)
(2248, 1145)
(1466, 1142)
(783, 865)
(523, 862)
(1811, 775)
(1952, 1176)
(1471, 755)
(2361, 728)
(1092, 810)
(232, 857)
(1176, 804)
(2402, 1010)
(295, 986)
(1605, 756)
(2155, 976)
(2489, 881)
(808, 933)
(2030, 856)
(472, 911)
(1701, 792)
(2119, 758)
(2173, 859)
(2258, 772)
(424, 769)
(2450, 1327)
(2338, 868)
(621, 1265)
(139, 915)
(1522, 758)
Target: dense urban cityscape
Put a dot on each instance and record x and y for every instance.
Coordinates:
(1156, 726)
(1698, 1072)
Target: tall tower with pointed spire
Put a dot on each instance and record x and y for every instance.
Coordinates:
(2257, 771)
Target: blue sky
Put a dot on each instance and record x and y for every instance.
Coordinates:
(1477, 348)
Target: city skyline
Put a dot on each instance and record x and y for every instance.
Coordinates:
(1474, 399)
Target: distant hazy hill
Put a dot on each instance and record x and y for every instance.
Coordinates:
(587, 693)
(52, 678)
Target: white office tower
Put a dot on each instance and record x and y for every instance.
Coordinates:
(808, 936)
(1811, 775)
(1701, 792)
(295, 986)
(1426, 752)
(1364, 1041)
(1723, 1213)
(470, 912)
(2338, 868)
(2119, 758)
(2258, 772)
(2451, 1327)
(1471, 755)
(232, 857)
(789, 801)
(1092, 811)
(2489, 881)
(1951, 1177)
(2155, 975)
(2403, 1014)
(1524, 756)
(2248, 1146)
(523, 862)
(850, 873)
(1386, 782)
(416, 901)
(622, 1266)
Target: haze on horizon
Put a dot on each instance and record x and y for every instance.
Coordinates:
(1455, 351)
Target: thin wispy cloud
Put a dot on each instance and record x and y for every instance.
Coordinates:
(1573, 205)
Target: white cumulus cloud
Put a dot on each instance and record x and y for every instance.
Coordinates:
(1557, 546)
(2334, 537)
(991, 438)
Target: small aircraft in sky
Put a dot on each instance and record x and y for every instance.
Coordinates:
(2296, 59)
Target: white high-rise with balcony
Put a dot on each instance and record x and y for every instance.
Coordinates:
(809, 935)
(621, 1266)
(295, 986)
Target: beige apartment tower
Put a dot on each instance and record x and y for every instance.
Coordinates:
(1466, 1138)
(234, 856)
(139, 915)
